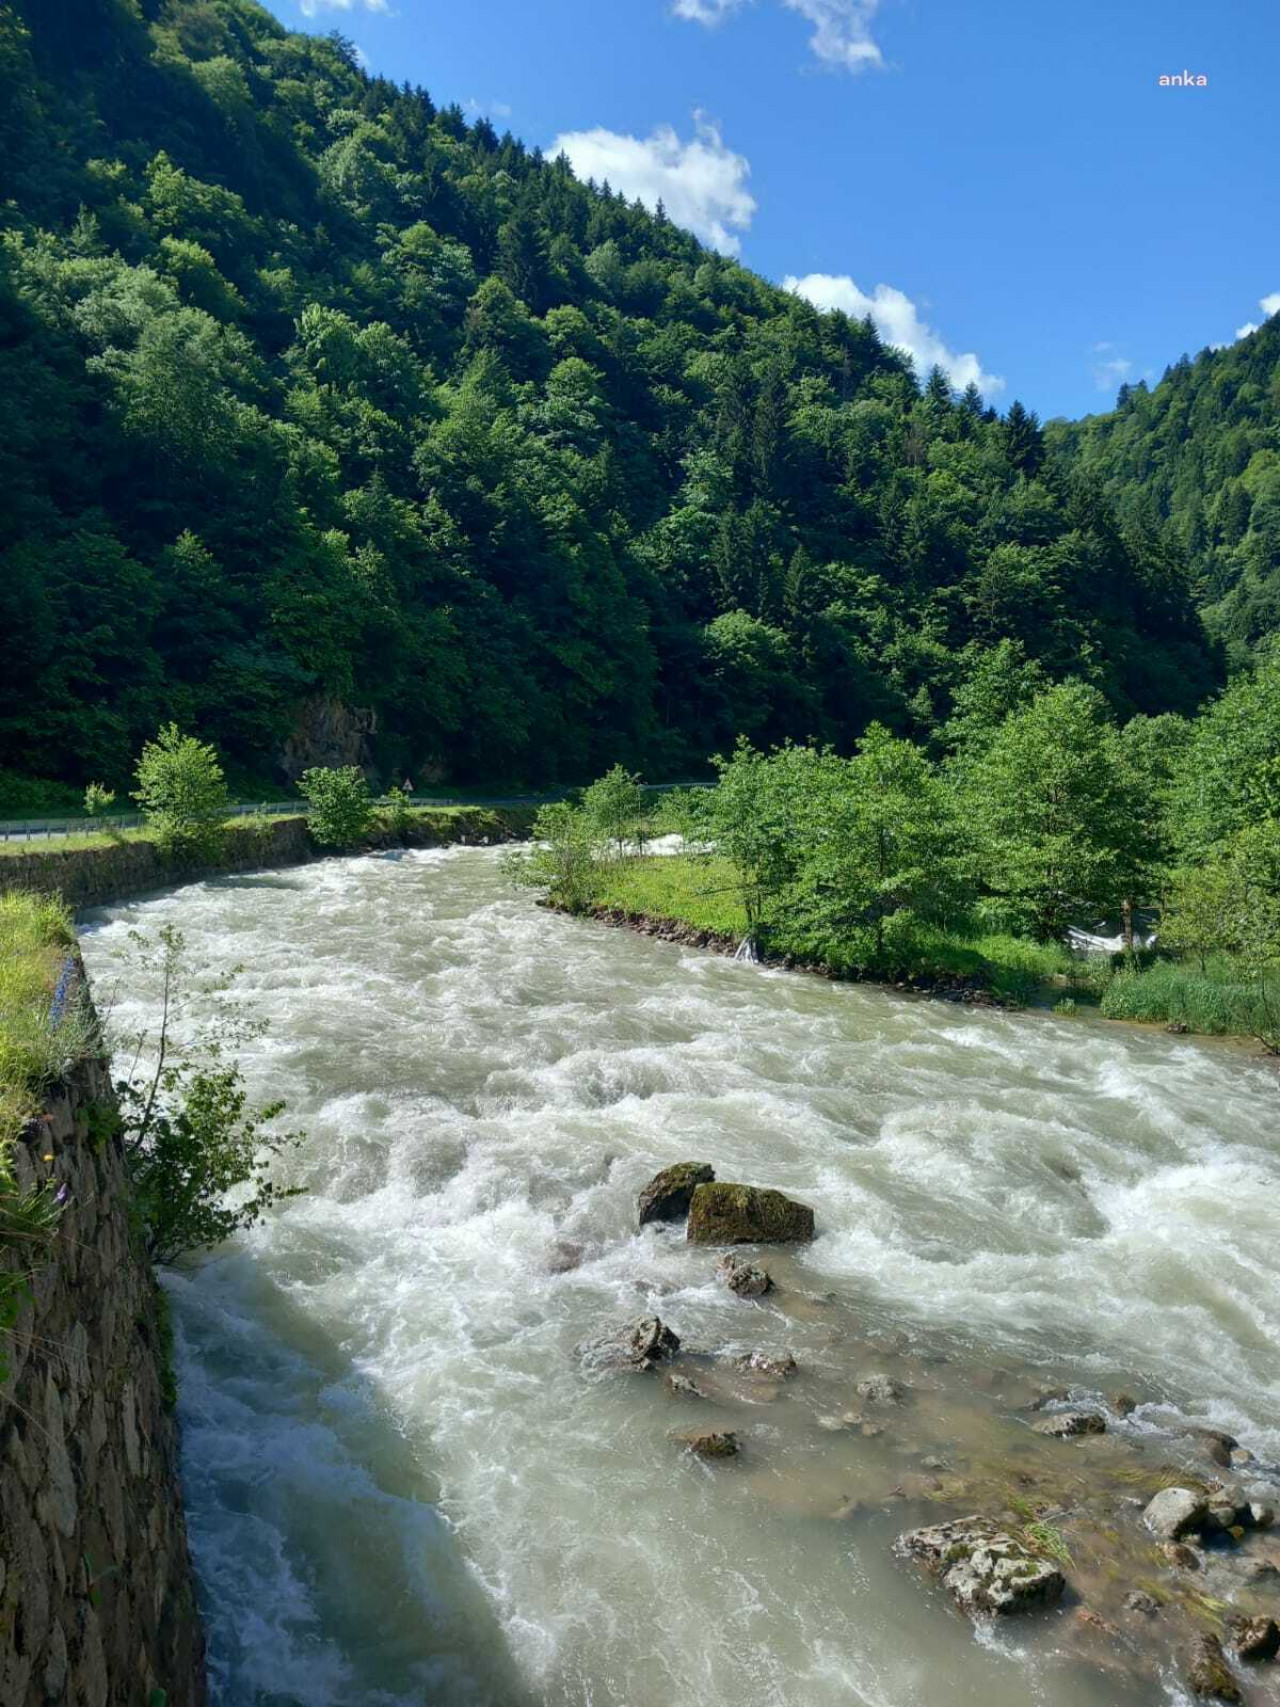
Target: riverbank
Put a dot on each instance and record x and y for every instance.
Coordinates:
(100, 869)
(693, 900)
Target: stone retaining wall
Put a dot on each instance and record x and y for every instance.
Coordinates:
(97, 1600)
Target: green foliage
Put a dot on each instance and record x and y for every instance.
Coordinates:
(1053, 826)
(98, 799)
(563, 859)
(38, 1038)
(615, 811)
(312, 393)
(395, 814)
(183, 794)
(200, 1156)
(43, 1030)
(1193, 467)
(340, 811)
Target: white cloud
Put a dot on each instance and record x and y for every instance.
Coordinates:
(898, 322)
(1269, 305)
(705, 11)
(1109, 371)
(841, 31)
(313, 8)
(841, 28)
(701, 183)
(491, 109)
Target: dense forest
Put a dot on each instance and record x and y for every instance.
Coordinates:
(1195, 464)
(320, 402)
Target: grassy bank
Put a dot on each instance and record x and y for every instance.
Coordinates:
(1217, 999)
(36, 1033)
(700, 892)
(1214, 1000)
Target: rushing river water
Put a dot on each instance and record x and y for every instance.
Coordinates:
(402, 1488)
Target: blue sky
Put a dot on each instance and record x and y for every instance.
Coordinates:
(1004, 183)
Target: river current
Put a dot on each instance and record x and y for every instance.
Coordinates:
(402, 1488)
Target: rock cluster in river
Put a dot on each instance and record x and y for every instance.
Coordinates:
(669, 1193)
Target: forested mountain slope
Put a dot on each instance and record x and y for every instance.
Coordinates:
(1196, 462)
(311, 393)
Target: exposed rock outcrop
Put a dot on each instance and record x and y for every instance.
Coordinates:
(668, 1194)
(746, 1279)
(988, 1571)
(728, 1214)
(638, 1345)
(1208, 1674)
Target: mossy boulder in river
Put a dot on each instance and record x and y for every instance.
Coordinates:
(667, 1195)
(1208, 1674)
(987, 1569)
(726, 1214)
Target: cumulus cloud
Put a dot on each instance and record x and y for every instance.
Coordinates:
(1109, 370)
(701, 183)
(705, 11)
(1269, 305)
(841, 28)
(313, 8)
(841, 31)
(898, 322)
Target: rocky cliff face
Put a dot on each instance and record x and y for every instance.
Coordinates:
(97, 1603)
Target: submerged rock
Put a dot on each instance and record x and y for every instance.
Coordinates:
(1063, 1425)
(668, 1194)
(1208, 1674)
(639, 1345)
(728, 1214)
(708, 1443)
(1123, 1404)
(1176, 1512)
(987, 1570)
(746, 1279)
(773, 1368)
(563, 1257)
(880, 1390)
(683, 1387)
(1255, 1638)
(1138, 1600)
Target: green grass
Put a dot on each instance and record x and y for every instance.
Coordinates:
(35, 934)
(700, 892)
(1217, 1001)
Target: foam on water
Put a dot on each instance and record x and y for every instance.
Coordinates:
(402, 1489)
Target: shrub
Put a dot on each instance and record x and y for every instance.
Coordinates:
(396, 814)
(182, 793)
(340, 812)
(199, 1155)
(98, 799)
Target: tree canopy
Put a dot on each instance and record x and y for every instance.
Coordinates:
(315, 396)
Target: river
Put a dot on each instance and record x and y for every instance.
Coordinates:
(402, 1488)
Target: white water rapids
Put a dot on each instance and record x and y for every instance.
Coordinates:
(401, 1487)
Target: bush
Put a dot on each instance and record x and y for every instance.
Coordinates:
(396, 814)
(562, 859)
(340, 812)
(98, 799)
(199, 1155)
(182, 793)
